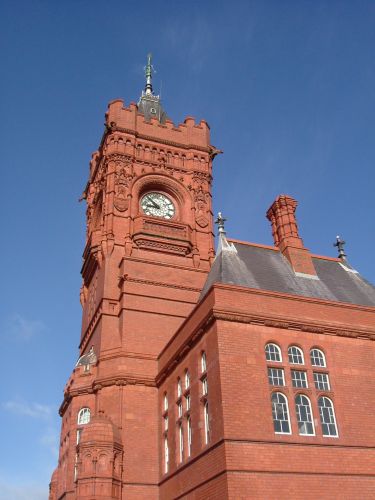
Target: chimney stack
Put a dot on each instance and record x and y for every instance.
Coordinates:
(281, 214)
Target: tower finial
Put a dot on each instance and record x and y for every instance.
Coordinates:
(340, 247)
(148, 73)
(220, 222)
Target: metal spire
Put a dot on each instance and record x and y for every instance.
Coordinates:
(340, 247)
(220, 222)
(148, 73)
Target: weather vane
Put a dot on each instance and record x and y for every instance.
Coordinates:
(220, 222)
(340, 247)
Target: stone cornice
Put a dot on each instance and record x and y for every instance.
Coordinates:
(100, 382)
(162, 141)
(266, 320)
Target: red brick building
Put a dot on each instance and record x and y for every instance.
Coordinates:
(248, 374)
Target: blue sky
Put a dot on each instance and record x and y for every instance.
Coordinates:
(288, 90)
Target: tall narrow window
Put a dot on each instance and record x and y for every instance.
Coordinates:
(179, 388)
(280, 413)
(187, 402)
(295, 355)
(327, 417)
(204, 386)
(179, 409)
(187, 380)
(84, 416)
(317, 357)
(181, 442)
(273, 352)
(304, 415)
(203, 362)
(206, 423)
(165, 422)
(165, 403)
(189, 436)
(166, 455)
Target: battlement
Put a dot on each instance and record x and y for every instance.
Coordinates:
(128, 118)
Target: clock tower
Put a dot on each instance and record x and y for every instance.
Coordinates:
(148, 250)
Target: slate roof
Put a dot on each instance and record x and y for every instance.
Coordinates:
(267, 269)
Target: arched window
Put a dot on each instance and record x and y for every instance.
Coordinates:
(273, 352)
(317, 357)
(304, 415)
(203, 362)
(327, 417)
(187, 379)
(84, 416)
(280, 413)
(165, 402)
(179, 388)
(295, 355)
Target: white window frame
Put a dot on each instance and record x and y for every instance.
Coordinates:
(181, 442)
(295, 355)
(332, 417)
(306, 403)
(206, 423)
(84, 416)
(321, 381)
(165, 403)
(274, 375)
(320, 356)
(274, 412)
(166, 422)
(166, 455)
(187, 380)
(179, 409)
(203, 362)
(204, 386)
(296, 381)
(179, 388)
(272, 354)
(189, 435)
(187, 402)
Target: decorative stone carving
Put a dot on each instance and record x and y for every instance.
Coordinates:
(123, 178)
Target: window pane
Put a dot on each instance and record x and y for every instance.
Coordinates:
(203, 362)
(187, 380)
(84, 416)
(317, 357)
(321, 381)
(280, 413)
(273, 352)
(179, 388)
(327, 417)
(276, 376)
(206, 424)
(304, 415)
(295, 355)
(204, 387)
(189, 436)
(299, 378)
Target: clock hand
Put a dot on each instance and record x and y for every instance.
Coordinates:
(154, 203)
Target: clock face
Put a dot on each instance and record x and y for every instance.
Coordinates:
(158, 205)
